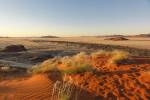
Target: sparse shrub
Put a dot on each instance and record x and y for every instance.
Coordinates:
(114, 57)
(76, 64)
(118, 57)
(79, 63)
(46, 66)
(63, 90)
(72, 65)
(78, 69)
(100, 53)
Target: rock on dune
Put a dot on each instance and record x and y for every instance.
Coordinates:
(14, 48)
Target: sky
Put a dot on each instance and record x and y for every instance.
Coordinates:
(74, 17)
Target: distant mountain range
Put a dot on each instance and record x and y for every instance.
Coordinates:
(143, 35)
(49, 37)
(139, 35)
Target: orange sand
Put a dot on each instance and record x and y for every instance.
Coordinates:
(123, 82)
(35, 88)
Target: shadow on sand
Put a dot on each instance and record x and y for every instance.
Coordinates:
(78, 92)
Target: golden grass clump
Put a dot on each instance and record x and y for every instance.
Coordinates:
(118, 57)
(46, 66)
(64, 90)
(66, 65)
(101, 53)
(79, 63)
(115, 57)
(76, 64)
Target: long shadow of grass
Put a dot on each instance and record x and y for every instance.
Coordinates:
(77, 92)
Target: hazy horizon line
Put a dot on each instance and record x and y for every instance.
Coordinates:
(77, 35)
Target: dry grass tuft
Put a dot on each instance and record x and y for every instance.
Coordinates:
(79, 63)
(115, 57)
(46, 66)
(118, 57)
(101, 53)
(76, 64)
(66, 65)
(64, 90)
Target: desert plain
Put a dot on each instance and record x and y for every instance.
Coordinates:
(75, 68)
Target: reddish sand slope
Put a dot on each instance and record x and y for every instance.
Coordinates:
(108, 82)
(35, 88)
(123, 82)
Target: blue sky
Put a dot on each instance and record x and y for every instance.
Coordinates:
(73, 17)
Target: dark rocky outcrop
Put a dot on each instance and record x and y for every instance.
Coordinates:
(143, 35)
(49, 37)
(14, 48)
(117, 38)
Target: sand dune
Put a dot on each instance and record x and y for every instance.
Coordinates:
(127, 81)
(34, 88)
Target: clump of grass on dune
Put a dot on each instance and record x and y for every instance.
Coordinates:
(46, 66)
(101, 53)
(79, 63)
(64, 91)
(115, 57)
(75, 70)
(72, 65)
(76, 64)
(119, 57)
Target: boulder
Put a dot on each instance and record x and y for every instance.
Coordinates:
(14, 48)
